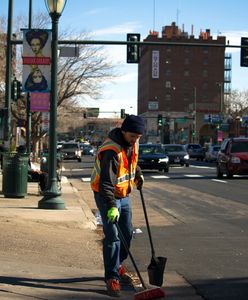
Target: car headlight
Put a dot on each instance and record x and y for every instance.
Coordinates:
(186, 156)
(235, 160)
(161, 160)
(44, 160)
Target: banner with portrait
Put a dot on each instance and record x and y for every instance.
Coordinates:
(36, 60)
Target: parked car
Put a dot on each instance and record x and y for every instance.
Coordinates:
(232, 158)
(87, 149)
(153, 157)
(71, 150)
(195, 151)
(211, 153)
(177, 154)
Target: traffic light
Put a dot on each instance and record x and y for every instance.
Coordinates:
(3, 114)
(133, 50)
(16, 89)
(123, 115)
(160, 121)
(244, 53)
(209, 118)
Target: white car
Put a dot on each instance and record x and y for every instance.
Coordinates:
(211, 153)
(71, 150)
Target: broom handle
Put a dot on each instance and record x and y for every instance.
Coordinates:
(147, 222)
(122, 238)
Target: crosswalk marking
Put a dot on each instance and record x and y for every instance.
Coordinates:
(218, 180)
(160, 176)
(86, 179)
(193, 175)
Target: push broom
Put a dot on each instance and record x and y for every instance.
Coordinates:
(146, 294)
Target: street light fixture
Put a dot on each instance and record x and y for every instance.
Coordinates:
(51, 199)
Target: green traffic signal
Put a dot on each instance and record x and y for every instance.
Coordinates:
(16, 89)
(160, 120)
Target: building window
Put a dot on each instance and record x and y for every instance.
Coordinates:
(205, 50)
(205, 97)
(168, 97)
(168, 61)
(205, 61)
(167, 72)
(168, 49)
(205, 73)
(205, 86)
(168, 84)
(186, 50)
(186, 60)
(186, 73)
(185, 98)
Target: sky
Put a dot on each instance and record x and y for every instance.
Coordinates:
(112, 20)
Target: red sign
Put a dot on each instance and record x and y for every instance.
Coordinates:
(39, 102)
(36, 60)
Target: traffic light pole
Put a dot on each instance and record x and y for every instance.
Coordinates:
(8, 76)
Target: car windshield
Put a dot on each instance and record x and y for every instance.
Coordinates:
(194, 147)
(239, 147)
(216, 148)
(67, 146)
(151, 150)
(173, 148)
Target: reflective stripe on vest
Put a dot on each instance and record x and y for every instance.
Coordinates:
(124, 181)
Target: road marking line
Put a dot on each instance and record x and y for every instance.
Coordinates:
(193, 175)
(202, 167)
(218, 180)
(86, 179)
(159, 176)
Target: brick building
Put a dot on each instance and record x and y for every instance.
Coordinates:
(182, 83)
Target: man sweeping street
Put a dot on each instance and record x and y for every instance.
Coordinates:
(113, 178)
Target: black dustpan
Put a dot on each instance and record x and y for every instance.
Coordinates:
(157, 265)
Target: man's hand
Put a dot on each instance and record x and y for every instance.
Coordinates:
(139, 181)
(113, 214)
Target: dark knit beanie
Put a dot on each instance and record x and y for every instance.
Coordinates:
(134, 124)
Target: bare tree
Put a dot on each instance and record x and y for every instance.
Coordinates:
(237, 103)
(78, 77)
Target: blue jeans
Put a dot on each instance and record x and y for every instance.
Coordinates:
(114, 252)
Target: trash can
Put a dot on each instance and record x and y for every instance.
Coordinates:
(15, 175)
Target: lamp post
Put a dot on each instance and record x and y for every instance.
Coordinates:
(51, 199)
(220, 85)
(8, 75)
(194, 136)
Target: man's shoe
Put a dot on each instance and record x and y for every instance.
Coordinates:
(125, 277)
(113, 288)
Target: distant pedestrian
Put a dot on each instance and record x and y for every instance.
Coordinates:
(113, 177)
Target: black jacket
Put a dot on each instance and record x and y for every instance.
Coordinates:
(109, 167)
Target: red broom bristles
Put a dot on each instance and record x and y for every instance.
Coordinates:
(155, 293)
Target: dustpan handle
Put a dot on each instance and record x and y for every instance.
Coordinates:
(147, 223)
(123, 240)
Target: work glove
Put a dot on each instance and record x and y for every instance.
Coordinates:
(113, 214)
(139, 181)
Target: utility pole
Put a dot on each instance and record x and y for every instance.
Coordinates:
(195, 116)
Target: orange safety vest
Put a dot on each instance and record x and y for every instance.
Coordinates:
(125, 173)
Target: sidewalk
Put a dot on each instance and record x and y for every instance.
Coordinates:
(56, 254)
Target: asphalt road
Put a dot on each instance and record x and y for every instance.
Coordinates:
(207, 242)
